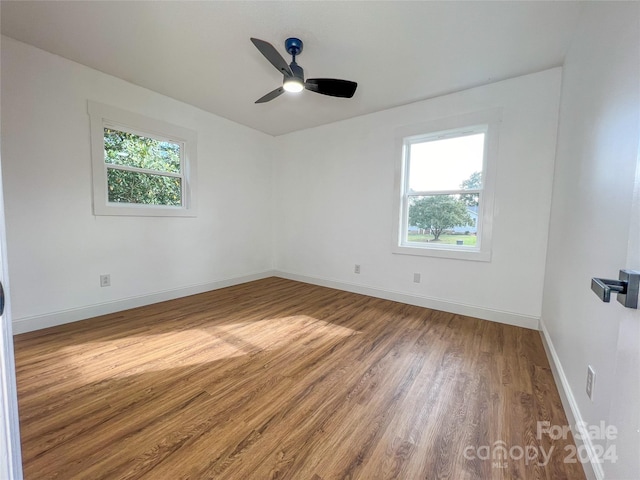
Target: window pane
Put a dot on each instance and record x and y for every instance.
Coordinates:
(446, 164)
(122, 148)
(134, 187)
(443, 219)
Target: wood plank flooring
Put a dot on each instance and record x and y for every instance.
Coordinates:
(277, 379)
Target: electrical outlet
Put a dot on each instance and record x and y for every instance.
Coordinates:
(416, 278)
(105, 280)
(356, 269)
(591, 379)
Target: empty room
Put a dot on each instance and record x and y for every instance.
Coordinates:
(320, 240)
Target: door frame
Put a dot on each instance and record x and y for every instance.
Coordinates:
(10, 451)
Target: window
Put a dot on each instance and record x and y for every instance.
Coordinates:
(141, 166)
(445, 188)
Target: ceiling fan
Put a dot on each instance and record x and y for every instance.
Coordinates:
(294, 74)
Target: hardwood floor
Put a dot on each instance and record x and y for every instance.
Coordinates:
(279, 379)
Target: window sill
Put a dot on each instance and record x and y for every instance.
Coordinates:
(444, 252)
(143, 210)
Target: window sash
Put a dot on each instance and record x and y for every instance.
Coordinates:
(404, 233)
(426, 193)
(113, 189)
(104, 116)
(146, 171)
(152, 136)
(407, 142)
(407, 193)
(141, 133)
(161, 173)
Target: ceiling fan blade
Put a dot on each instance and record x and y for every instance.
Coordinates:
(271, 54)
(271, 95)
(331, 86)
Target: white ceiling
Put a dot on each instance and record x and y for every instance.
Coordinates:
(398, 52)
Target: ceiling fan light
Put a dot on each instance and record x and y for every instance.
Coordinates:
(293, 85)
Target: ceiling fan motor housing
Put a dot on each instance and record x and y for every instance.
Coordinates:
(297, 70)
(293, 46)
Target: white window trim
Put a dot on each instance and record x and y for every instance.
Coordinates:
(111, 117)
(488, 120)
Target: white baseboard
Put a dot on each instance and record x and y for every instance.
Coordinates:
(593, 470)
(28, 324)
(499, 316)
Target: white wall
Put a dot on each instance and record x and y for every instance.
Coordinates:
(589, 230)
(325, 200)
(335, 192)
(58, 248)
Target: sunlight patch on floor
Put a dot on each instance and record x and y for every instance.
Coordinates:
(138, 354)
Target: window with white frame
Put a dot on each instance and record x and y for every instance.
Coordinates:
(141, 166)
(445, 189)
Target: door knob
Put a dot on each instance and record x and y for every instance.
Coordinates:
(626, 287)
